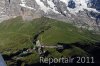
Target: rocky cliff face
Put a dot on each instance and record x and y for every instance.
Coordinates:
(82, 13)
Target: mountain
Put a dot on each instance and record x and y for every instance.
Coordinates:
(63, 28)
(82, 13)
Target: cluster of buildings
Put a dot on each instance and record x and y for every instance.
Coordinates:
(40, 48)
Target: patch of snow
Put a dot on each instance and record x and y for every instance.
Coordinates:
(65, 1)
(46, 9)
(92, 18)
(2, 12)
(80, 6)
(52, 5)
(65, 12)
(42, 6)
(23, 4)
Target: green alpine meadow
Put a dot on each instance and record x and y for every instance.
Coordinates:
(19, 37)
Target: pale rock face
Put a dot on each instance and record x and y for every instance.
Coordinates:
(2, 11)
(82, 13)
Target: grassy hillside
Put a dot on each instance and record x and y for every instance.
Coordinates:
(66, 33)
(16, 34)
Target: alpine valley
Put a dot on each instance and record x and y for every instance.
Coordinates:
(30, 29)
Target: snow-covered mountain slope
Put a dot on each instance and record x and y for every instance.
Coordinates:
(82, 13)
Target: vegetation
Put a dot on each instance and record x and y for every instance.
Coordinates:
(16, 34)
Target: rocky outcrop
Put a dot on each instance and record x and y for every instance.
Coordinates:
(82, 13)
